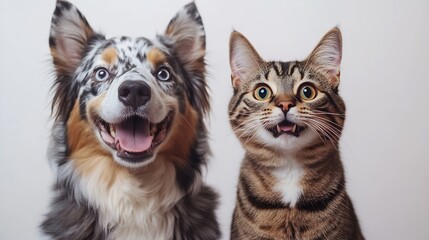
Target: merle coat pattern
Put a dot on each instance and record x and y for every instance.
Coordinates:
(129, 139)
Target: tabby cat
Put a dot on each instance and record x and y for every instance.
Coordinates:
(289, 117)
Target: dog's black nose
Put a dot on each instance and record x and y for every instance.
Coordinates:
(134, 93)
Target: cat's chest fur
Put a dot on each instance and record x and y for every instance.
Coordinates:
(288, 181)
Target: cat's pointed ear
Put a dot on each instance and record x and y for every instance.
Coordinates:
(185, 35)
(243, 58)
(69, 36)
(326, 57)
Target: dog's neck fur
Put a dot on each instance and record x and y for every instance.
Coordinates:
(132, 203)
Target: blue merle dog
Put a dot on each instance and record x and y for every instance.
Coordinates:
(129, 138)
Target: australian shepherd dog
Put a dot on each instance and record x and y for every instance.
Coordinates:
(129, 139)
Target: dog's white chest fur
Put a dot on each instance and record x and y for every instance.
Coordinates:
(135, 216)
(134, 208)
(289, 181)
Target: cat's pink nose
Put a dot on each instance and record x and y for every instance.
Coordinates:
(285, 106)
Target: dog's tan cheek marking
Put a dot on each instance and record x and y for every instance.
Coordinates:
(109, 55)
(86, 152)
(155, 57)
(182, 136)
(94, 105)
(79, 132)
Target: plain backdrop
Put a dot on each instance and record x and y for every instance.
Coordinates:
(385, 84)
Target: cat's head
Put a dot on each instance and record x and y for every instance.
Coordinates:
(287, 105)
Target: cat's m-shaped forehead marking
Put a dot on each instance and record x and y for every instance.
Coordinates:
(280, 76)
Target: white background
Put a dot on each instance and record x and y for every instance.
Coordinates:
(385, 84)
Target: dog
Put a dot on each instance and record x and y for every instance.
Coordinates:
(129, 139)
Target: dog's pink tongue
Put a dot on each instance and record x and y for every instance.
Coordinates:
(133, 135)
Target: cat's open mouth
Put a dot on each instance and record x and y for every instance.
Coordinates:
(134, 138)
(286, 127)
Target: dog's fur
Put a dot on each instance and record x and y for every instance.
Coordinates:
(103, 190)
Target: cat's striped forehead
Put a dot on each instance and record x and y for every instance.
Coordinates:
(280, 76)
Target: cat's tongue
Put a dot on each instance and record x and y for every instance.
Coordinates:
(286, 128)
(133, 135)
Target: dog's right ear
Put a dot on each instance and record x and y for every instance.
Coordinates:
(69, 36)
(69, 39)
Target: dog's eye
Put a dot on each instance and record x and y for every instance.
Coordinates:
(102, 74)
(163, 74)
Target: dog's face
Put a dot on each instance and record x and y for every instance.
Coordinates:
(134, 101)
(128, 90)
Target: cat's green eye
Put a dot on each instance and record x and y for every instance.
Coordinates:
(262, 93)
(307, 92)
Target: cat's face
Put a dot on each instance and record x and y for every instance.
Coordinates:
(286, 105)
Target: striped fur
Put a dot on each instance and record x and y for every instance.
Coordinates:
(291, 183)
(101, 192)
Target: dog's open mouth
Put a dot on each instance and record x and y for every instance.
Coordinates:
(286, 127)
(135, 138)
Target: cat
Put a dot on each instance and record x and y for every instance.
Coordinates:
(289, 117)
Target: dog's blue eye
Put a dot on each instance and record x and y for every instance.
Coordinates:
(163, 74)
(102, 74)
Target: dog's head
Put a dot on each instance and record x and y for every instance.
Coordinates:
(128, 92)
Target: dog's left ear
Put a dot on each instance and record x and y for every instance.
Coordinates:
(186, 37)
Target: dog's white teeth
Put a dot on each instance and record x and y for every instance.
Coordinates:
(118, 146)
(279, 129)
(112, 131)
(294, 128)
(152, 129)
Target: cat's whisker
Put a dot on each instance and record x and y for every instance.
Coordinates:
(332, 114)
(319, 131)
(325, 124)
(327, 113)
(245, 122)
(250, 138)
(258, 120)
(249, 128)
(244, 113)
(330, 122)
(327, 121)
(323, 111)
(332, 136)
(327, 128)
(332, 129)
(335, 125)
(247, 114)
(324, 129)
(254, 134)
(235, 114)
